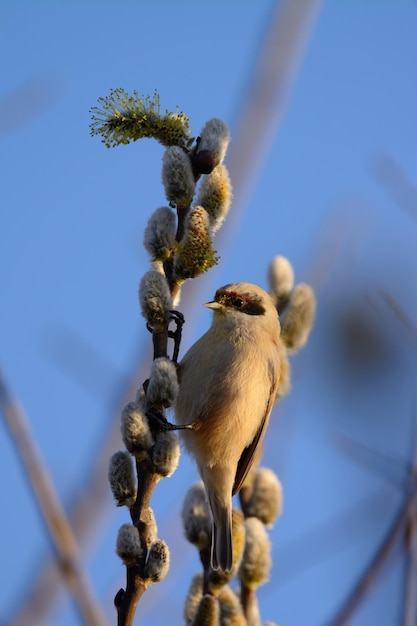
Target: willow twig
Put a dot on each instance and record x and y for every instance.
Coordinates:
(65, 544)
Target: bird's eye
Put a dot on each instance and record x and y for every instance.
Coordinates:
(238, 303)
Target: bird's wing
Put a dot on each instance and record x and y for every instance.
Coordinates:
(249, 453)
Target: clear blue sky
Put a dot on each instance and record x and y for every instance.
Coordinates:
(71, 223)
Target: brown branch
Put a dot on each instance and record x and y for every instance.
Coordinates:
(370, 573)
(66, 547)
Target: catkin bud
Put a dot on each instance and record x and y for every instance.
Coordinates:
(256, 562)
(195, 253)
(155, 299)
(159, 235)
(162, 389)
(194, 596)
(196, 517)
(215, 195)
(212, 146)
(157, 562)
(151, 534)
(128, 546)
(135, 430)
(218, 578)
(299, 317)
(122, 478)
(177, 176)
(281, 279)
(266, 500)
(166, 453)
(231, 612)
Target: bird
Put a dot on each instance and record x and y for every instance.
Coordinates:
(228, 383)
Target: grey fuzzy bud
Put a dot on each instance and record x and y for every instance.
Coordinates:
(122, 478)
(166, 453)
(256, 563)
(280, 278)
(266, 500)
(163, 386)
(215, 195)
(299, 317)
(135, 430)
(159, 235)
(128, 546)
(196, 517)
(214, 138)
(177, 176)
(155, 299)
(284, 384)
(157, 562)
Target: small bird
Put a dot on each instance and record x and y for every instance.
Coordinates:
(228, 385)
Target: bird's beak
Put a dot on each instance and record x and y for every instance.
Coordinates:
(216, 306)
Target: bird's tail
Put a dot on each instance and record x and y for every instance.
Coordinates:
(221, 542)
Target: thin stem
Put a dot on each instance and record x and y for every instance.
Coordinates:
(60, 531)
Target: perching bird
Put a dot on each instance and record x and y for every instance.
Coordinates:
(228, 384)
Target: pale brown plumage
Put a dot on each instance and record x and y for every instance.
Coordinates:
(228, 385)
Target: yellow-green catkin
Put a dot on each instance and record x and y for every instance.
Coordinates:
(231, 613)
(215, 195)
(195, 254)
(121, 118)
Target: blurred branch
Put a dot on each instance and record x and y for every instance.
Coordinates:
(371, 571)
(391, 175)
(67, 551)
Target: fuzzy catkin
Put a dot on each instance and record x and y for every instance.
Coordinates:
(195, 254)
(298, 318)
(256, 562)
(215, 195)
(196, 517)
(128, 546)
(155, 299)
(166, 453)
(163, 385)
(135, 430)
(122, 478)
(280, 277)
(157, 562)
(215, 138)
(159, 235)
(177, 176)
(266, 500)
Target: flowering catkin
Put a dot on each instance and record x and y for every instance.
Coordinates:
(195, 254)
(215, 195)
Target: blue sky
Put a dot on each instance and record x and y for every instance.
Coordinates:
(71, 224)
